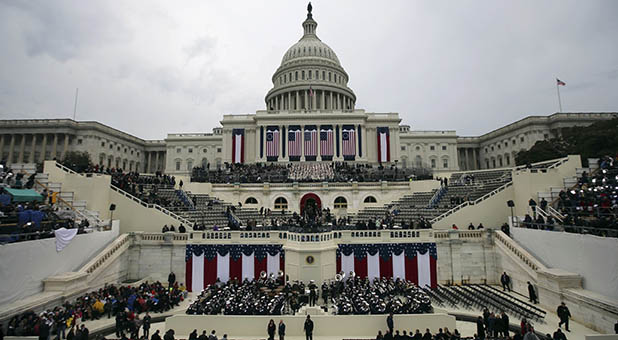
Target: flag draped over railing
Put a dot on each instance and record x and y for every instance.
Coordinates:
(295, 143)
(204, 264)
(311, 143)
(415, 262)
(238, 145)
(326, 142)
(384, 145)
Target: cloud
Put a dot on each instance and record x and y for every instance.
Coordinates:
(156, 67)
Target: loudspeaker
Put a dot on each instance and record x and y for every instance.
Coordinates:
(112, 207)
(510, 203)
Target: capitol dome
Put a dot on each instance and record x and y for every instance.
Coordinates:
(310, 76)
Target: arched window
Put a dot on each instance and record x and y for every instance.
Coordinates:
(370, 199)
(251, 200)
(281, 203)
(189, 165)
(341, 203)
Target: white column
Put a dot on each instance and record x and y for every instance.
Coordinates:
(32, 148)
(296, 106)
(149, 163)
(44, 147)
(11, 147)
(1, 146)
(306, 106)
(276, 102)
(20, 158)
(66, 146)
(55, 146)
(157, 161)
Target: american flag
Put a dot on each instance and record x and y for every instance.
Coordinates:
(560, 82)
(272, 143)
(295, 142)
(311, 142)
(326, 142)
(349, 142)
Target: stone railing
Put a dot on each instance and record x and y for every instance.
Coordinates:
(477, 201)
(111, 252)
(152, 206)
(462, 234)
(515, 249)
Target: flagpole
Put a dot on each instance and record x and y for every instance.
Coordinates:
(75, 105)
(559, 101)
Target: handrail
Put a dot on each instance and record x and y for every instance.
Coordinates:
(555, 213)
(154, 206)
(60, 199)
(106, 253)
(477, 201)
(519, 251)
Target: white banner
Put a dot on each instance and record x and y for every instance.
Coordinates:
(223, 267)
(198, 273)
(247, 267)
(383, 147)
(399, 266)
(347, 264)
(424, 269)
(373, 266)
(272, 264)
(64, 237)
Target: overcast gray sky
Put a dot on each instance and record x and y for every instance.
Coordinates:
(156, 67)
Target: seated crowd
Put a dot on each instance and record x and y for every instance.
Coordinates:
(591, 206)
(124, 303)
(380, 296)
(264, 296)
(304, 172)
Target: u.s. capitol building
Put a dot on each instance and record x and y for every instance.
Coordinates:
(310, 115)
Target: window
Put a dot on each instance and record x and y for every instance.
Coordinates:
(309, 76)
(281, 203)
(545, 135)
(111, 146)
(445, 163)
(508, 160)
(506, 144)
(102, 144)
(296, 75)
(329, 78)
(131, 151)
(433, 163)
(521, 139)
(285, 78)
(189, 165)
(178, 150)
(341, 203)
(370, 199)
(514, 141)
(443, 147)
(403, 148)
(125, 150)
(432, 148)
(323, 75)
(118, 148)
(138, 154)
(205, 150)
(79, 142)
(177, 165)
(418, 148)
(190, 150)
(492, 148)
(218, 149)
(251, 200)
(302, 75)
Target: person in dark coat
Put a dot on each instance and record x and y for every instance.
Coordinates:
(480, 328)
(171, 279)
(427, 335)
(281, 330)
(146, 324)
(308, 328)
(271, 329)
(505, 280)
(193, 335)
(532, 293)
(505, 324)
(156, 336)
(558, 335)
(564, 314)
(390, 323)
(204, 336)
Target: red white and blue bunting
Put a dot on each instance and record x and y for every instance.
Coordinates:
(415, 262)
(204, 264)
